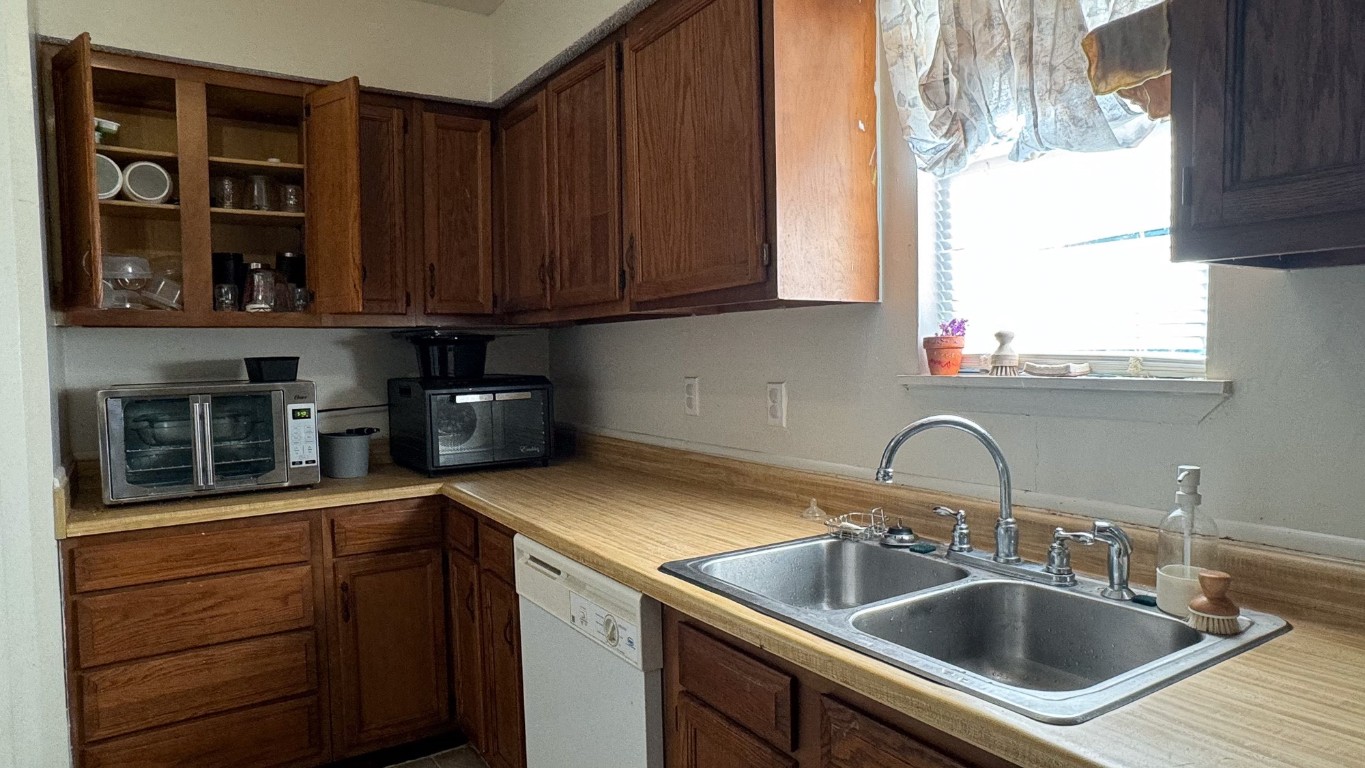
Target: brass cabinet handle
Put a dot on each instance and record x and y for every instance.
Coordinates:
(469, 601)
(507, 632)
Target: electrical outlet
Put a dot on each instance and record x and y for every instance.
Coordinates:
(777, 404)
(692, 396)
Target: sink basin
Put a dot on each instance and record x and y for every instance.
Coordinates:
(1057, 654)
(830, 574)
(1027, 635)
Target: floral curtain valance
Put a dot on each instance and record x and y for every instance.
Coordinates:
(973, 74)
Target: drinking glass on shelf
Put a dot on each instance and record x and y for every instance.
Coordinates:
(225, 297)
(226, 192)
(260, 194)
(260, 288)
(291, 198)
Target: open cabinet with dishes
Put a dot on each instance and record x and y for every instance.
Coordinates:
(195, 196)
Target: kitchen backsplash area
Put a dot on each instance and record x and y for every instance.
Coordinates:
(350, 367)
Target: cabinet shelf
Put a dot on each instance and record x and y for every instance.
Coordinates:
(132, 209)
(244, 216)
(256, 166)
(135, 153)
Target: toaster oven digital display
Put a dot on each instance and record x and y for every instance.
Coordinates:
(298, 414)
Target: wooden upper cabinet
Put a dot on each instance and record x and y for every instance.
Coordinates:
(73, 100)
(694, 147)
(583, 105)
(457, 227)
(389, 668)
(332, 188)
(523, 215)
(384, 204)
(1269, 121)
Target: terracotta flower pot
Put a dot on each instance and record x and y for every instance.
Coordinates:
(945, 354)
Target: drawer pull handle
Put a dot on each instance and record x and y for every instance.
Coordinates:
(469, 601)
(345, 602)
(507, 633)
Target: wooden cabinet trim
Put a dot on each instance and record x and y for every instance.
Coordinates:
(742, 688)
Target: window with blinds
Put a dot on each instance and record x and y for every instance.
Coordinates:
(1071, 252)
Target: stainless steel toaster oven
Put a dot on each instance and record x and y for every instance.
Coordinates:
(166, 441)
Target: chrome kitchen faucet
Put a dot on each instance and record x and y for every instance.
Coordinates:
(1006, 529)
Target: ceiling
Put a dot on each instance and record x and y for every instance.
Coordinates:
(485, 7)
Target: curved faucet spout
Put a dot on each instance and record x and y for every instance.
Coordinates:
(1006, 529)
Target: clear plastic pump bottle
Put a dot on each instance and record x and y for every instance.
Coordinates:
(1186, 543)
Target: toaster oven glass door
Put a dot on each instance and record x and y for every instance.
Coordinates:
(153, 448)
(247, 443)
(463, 428)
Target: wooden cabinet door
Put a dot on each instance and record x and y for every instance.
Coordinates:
(466, 648)
(523, 220)
(457, 228)
(694, 148)
(73, 102)
(1269, 117)
(506, 746)
(583, 106)
(332, 191)
(850, 739)
(707, 739)
(384, 204)
(389, 664)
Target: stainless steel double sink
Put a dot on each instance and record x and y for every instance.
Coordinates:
(1056, 654)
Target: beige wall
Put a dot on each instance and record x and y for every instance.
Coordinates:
(1279, 457)
(33, 725)
(397, 44)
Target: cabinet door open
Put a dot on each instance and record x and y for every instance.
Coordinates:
(332, 187)
(74, 106)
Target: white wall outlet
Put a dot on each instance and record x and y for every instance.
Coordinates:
(692, 396)
(777, 404)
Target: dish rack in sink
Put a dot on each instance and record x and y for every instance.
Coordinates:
(858, 526)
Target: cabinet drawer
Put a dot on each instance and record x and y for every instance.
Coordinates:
(495, 552)
(131, 697)
(390, 525)
(462, 530)
(288, 733)
(851, 739)
(143, 622)
(738, 686)
(158, 556)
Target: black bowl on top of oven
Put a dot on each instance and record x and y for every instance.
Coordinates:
(440, 425)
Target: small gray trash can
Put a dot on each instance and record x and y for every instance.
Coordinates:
(346, 454)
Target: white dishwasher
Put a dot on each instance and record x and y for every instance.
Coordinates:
(591, 666)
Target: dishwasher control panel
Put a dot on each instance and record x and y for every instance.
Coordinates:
(612, 632)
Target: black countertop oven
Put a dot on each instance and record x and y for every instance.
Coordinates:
(439, 425)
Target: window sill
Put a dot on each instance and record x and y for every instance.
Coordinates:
(1169, 401)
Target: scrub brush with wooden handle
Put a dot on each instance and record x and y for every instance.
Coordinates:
(1213, 612)
(1005, 361)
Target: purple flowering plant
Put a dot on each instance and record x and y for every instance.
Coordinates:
(955, 327)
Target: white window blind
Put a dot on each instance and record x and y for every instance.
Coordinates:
(1071, 252)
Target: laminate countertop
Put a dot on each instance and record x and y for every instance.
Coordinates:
(1296, 702)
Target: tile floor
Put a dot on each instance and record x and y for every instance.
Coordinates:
(463, 757)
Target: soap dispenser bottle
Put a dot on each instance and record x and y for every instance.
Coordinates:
(1186, 543)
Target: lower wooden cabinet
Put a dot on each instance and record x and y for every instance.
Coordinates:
(731, 705)
(389, 663)
(504, 719)
(466, 647)
(291, 640)
(707, 738)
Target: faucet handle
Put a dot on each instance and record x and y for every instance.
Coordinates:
(1059, 555)
(962, 538)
